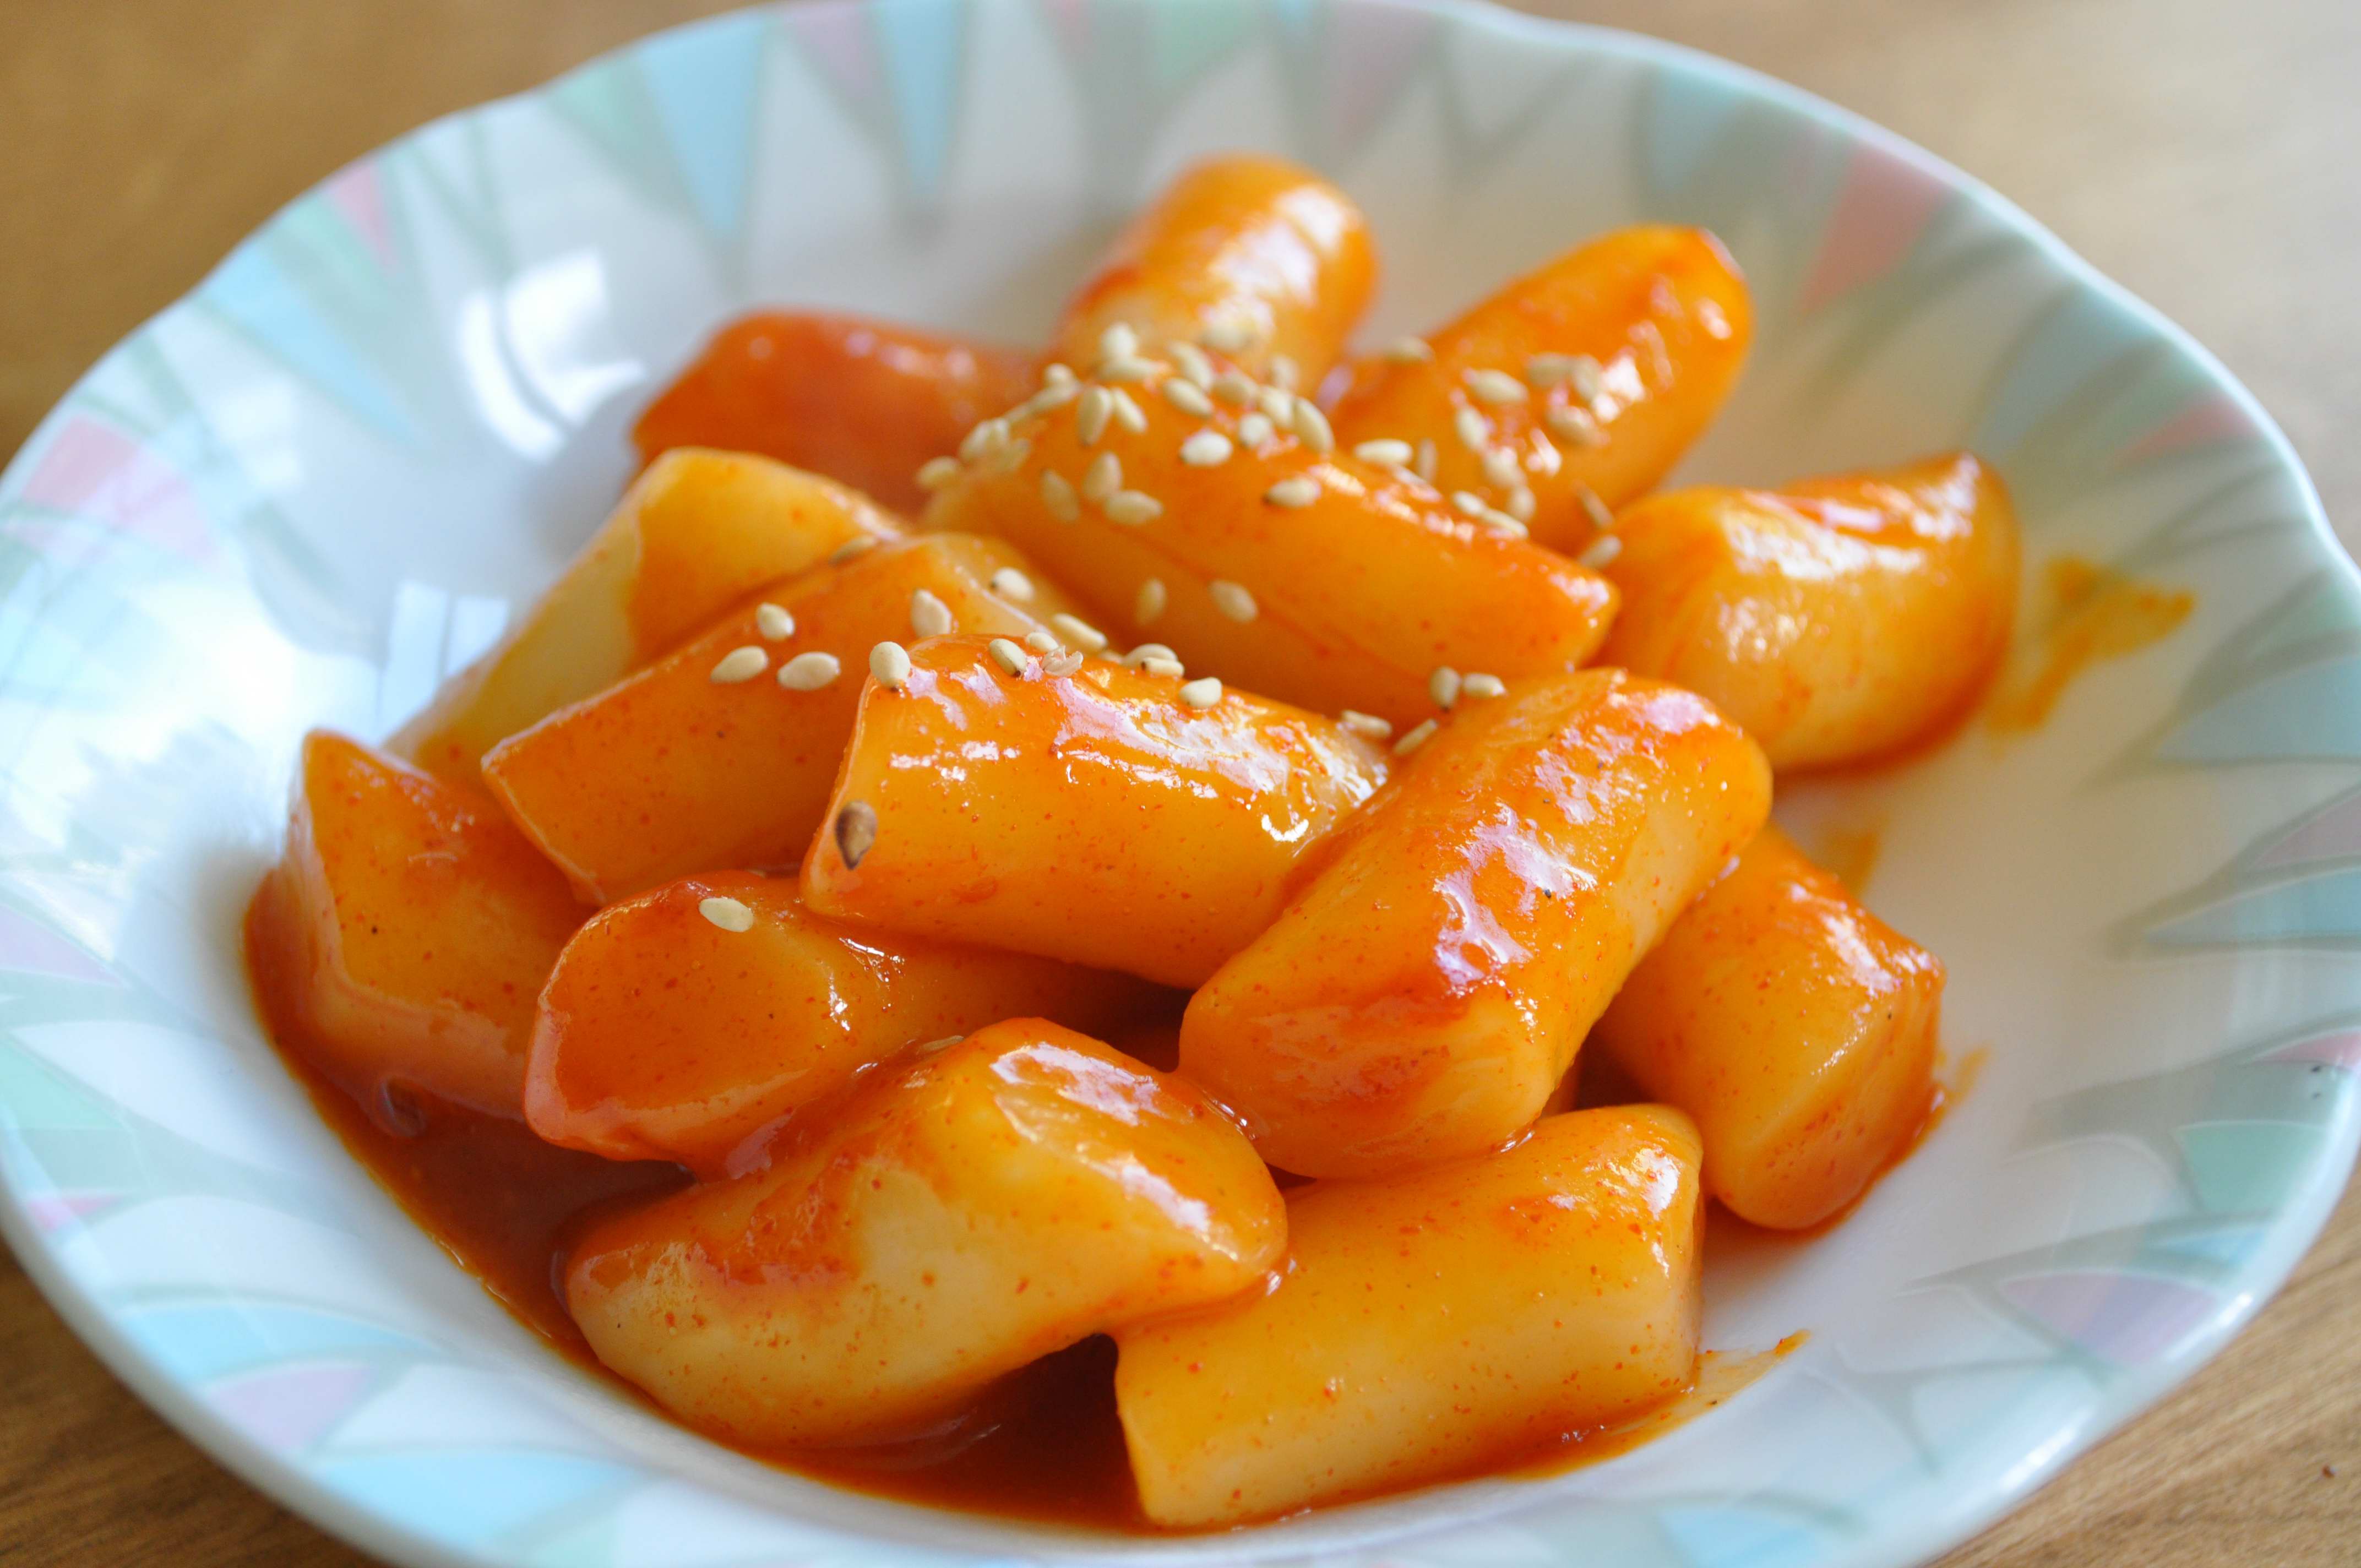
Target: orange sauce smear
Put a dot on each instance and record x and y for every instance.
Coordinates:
(2095, 614)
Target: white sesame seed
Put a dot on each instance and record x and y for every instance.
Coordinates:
(929, 616)
(889, 663)
(1277, 405)
(937, 473)
(1011, 455)
(1057, 495)
(1115, 372)
(1474, 432)
(1368, 725)
(809, 671)
(1149, 602)
(1283, 373)
(1194, 364)
(1064, 663)
(1229, 334)
(1120, 341)
(1233, 601)
(1543, 371)
(1589, 379)
(1600, 551)
(1047, 398)
(1091, 414)
(1495, 387)
(1202, 692)
(1056, 375)
(1469, 502)
(1480, 685)
(1172, 669)
(852, 549)
(727, 913)
(1501, 470)
(1600, 514)
(1206, 449)
(1575, 425)
(1442, 685)
(1186, 396)
(1407, 351)
(1298, 491)
(1007, 655)
(1546, 456)
(1255, 429)
(1127, 412)
(1311, 427)
(1415, 738)
(1011, 583)
(1042, 642)
(1147, 651)
(740, 664)
(774, 622)
(1102, 479)
(1520, 503)
(1504, 525)
(1424, 466)
(1385, 454)
(984, 440)
(1078, 633)
(933, 1047)
(1133, 508)
(1235, 387)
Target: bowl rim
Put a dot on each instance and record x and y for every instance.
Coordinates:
(2288, 1235)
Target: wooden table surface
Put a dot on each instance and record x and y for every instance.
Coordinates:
(2201, 152)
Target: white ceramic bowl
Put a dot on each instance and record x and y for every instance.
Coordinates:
(321, 482)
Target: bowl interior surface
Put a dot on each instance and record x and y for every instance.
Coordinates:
(323, 481)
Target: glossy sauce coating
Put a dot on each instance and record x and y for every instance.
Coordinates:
(670, 770)
(1427, 988)
(1796, 1027)
(1836, 619)
(695, 533)
(966, 1215)
(1431, 1326)
(861, 400)
(663, 1034)
(1663, 314)
(1356, 597)
(1092, 817)
(411, 928)
(1255, 240)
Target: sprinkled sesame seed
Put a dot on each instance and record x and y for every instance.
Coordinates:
(809, 671)
(1575, 425)
(1194, 364)
(740, 664)
(1235, 387)
(1133, 508)
(1520, 503)
(1118, 371)
(935, 473)
(1255, 429)
(1474, 432)
(1311, 427)
(1495, 387)
(727, 913)
(1078, 633)
(1147, 651)
(1007, 655)
(1504, 525)
(1186, 396)
(1042, 642)
(1056, 375)
(1424, 466)
(1206, 449)
(1589, 379)
(1469, 502)
(1385, 454)
(855, 831)
(1480, 685)
(774, 622)
(1283, 373)
(1300, 490)
(1102, 479)
(1407, 351)
(929, 616)
(1172, 669)
(1277, 405)
(1442, 685)
(1202, 692)
(932, 1047)
(983, 440)
(1091, 414)
(1149, 602)
(889, 663)
(1011, 583)
(1501, 470)
(1047, 398)
(1127, 412)
(852, 549)
(1229, 334)
(1600, 551)
(1120, 341)
(1010, 456)
(1414, 738)
(1233, 599)
(1064, 663)
(1546, 370)
(1599, 513)
(1057, 495)
(1368, 725)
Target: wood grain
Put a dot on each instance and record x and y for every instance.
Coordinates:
(2200, 152)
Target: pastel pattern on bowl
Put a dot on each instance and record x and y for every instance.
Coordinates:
(326, 479)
